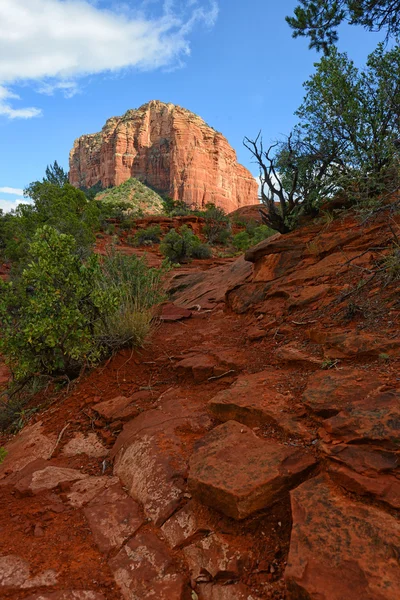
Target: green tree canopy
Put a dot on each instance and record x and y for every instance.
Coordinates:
(319, 19)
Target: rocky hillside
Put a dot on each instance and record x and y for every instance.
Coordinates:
(249, 452)
(171, 149)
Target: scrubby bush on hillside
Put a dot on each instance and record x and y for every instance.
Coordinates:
(64, 208)
(175, 208)
(63, 312)
(138, 289)
(48, 314)
(150, 235)
(244, 240)
(218, 227)
(178, 247)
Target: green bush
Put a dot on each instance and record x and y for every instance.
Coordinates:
(218, 227)
(64, 208)
(151, 235)
(138, 289)
(178, 247)
(62, 312)
(48, 314)
(243, 240)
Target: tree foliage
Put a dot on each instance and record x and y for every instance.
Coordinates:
(356, 113)
(56, 175)
(48, 314)
(319, 19)
(64, 208)
(346, 140)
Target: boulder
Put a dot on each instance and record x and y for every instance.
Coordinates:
(145, 569)
(339, 548)
(237, 473)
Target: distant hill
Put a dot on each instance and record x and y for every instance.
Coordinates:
(138, 197)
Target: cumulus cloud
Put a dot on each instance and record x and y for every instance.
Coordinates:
(12, 191)
(56, 42)
(9, 205)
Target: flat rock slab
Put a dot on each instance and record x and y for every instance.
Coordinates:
(215, 558)
(375, 419)
(348, 344)
(109, 408)
(190, 522)
(238, 591)
(46, 478)
(68, 595)
(237, 473)
(144, 569)
(340, 549)
(15, 574)
(151, 456)
(254, 401)
(172, 312)
(84, 491)
(85, 444)
(31, 443)
(385, 487)
(291, 353)
(113, 517)
(328, 392)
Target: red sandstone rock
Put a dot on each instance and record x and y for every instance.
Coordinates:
(15, 574)
(170, 148)
(172, 312)
(215, 558)
(113, 517)
(254, 401)
(328, 392)
(84, 491)
(68, 595)
(150, 455)
(291, 353)
(204, 289)
(109, 408)
(29, 444)
(144, 569)
(340, 549)
(81, 444)
(373, 419)
(192, 521)
(46, 478)
(237, 473)
(238, 591)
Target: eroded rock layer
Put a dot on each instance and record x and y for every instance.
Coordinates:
(168, 148)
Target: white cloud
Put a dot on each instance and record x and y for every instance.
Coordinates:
(9, 205)
(12, 191)
(55, 42)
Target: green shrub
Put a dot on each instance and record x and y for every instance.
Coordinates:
(3, 454)
(62, 312)
(48, 314)
(262, 232)
(241, 241)
(138, 289)
(218, 227)
(178, 247)
(175, 208)
(64, 208)
(151, 235)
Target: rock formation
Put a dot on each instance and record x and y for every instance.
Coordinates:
(169, 148)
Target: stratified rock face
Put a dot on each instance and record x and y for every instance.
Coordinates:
(168, 148)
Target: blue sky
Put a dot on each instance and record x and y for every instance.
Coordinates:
(68, 65)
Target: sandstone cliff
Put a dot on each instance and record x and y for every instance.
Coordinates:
(170, 149)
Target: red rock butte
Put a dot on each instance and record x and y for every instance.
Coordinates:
(169, 148)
